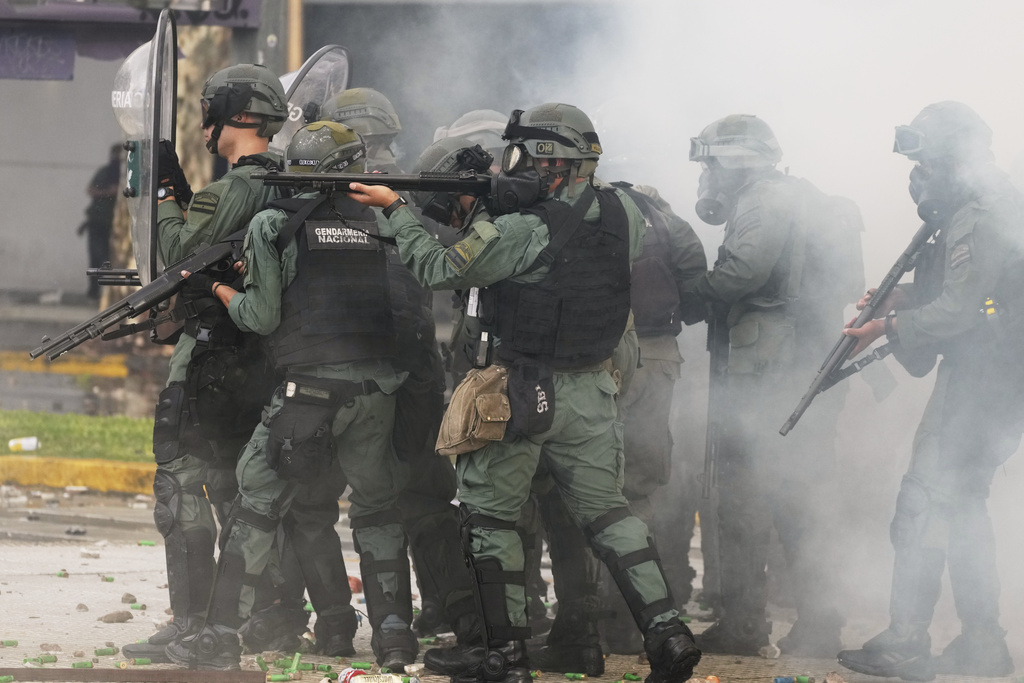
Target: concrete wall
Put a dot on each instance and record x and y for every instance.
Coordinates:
(56, 134)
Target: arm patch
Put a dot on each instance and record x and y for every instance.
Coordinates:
(460, 254)
(961, 254)
(205, 203)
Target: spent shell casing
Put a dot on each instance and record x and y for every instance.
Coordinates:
(631, 677)
(575, 677)
(108, 579)
(47, 659)
(6, 679)
(295, 661)
(277, 678)
(8, 643)
(63, 574)
(262, 664)
(333, 675)
(365, 666)
(805, 679)
(105, 651)
(147, 542)
(31, 660)
(140, 661)
(138, 605)
(81, 665)
(324, 667)
(304, 666)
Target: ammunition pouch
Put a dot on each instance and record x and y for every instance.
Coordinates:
(531, 396)
(301, 443)
(167, 423)
(477, 413)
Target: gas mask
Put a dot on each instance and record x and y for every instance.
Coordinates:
(443, 206)
(518, 184)
(714, 199)
(931, 188)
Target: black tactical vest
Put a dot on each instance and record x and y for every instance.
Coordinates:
(654, 294)
(338, 308)
(576, 315)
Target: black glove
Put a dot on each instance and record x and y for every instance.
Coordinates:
(199, 284)
(169, 172)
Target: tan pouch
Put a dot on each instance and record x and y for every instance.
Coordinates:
(478, 412)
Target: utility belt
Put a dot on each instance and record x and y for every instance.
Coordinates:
(300, 445)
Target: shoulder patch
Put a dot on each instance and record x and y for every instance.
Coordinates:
(459, 255)
(205, 202)
(961, 254)
(462, 252)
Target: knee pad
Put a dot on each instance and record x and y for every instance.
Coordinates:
(168, 421)
(913, 509)
(167, 492)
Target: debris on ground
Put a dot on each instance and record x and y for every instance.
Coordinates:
(118, 617)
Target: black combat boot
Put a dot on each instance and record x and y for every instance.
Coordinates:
(573, 645)
(814, 636)
(335, 634)
(979, 650)
(153, 647)
(671, 651)
(500, 663)
(735, 636)
(900, 651)
(214, 647)
(278, 627)
(430, 621)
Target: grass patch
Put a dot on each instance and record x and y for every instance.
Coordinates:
(67, 435)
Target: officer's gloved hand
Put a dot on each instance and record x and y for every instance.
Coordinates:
(169, 172)
(197, 285)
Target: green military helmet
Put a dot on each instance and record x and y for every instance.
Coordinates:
(366, 111)
(251, 88)
(944, 130)
(482, 127)
(326, 146)
(554, 130)
(739, 141)
(448, 155)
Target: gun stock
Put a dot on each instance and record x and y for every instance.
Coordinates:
(156, 292)
(840, 353)
(462, 183)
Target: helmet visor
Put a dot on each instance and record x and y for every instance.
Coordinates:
(908, 141)
(514, 158)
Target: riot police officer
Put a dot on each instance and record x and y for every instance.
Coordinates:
(316, 286)
(425, 502)
(965, 304)
(217, 378)
(776, 291)
(558, 271)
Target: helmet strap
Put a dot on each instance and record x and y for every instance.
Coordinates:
(211, 144)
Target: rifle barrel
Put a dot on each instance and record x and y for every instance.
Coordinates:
(462, 183)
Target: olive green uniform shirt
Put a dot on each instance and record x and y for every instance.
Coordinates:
(223, 207)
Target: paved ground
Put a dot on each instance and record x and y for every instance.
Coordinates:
(44, 532)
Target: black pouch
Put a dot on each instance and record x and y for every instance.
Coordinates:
(170, 405)
(300, 445)
(531, 397)
(419, 407)
(228, 388)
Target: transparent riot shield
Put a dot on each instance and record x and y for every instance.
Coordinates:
(322, 76)
(144, 101)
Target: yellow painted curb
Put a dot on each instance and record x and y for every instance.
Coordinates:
(111, 365)
(99, 475)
